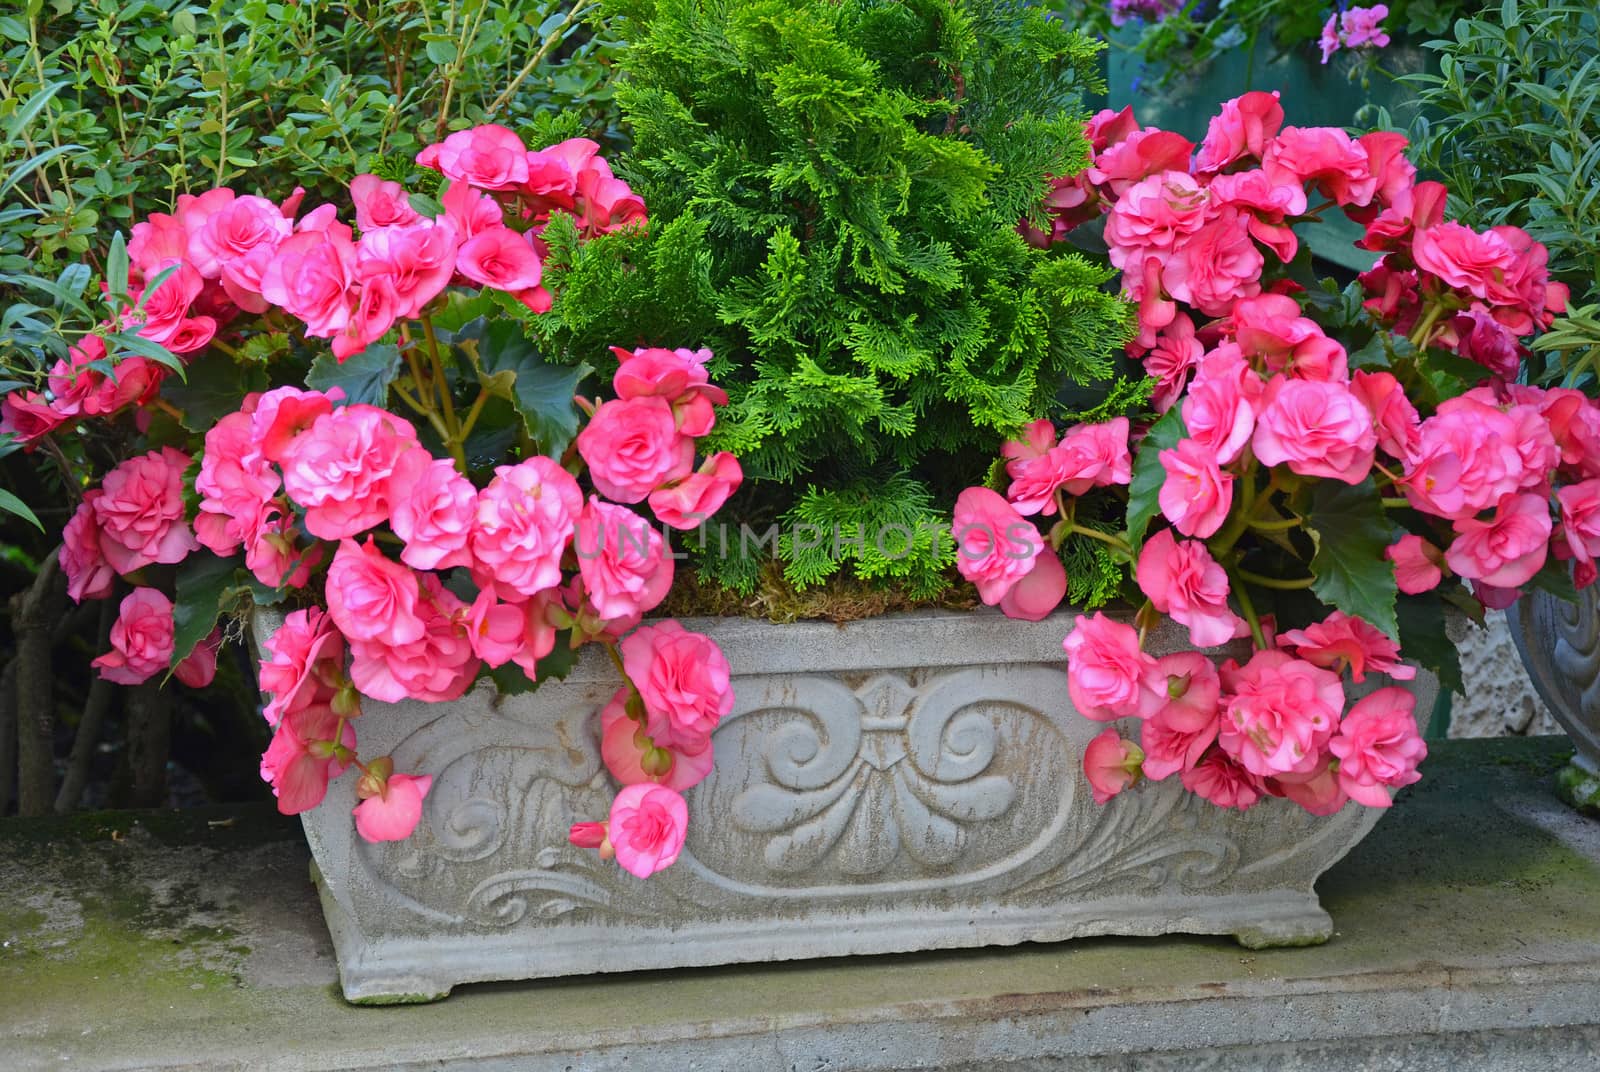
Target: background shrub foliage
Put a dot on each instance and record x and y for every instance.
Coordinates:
(834, 187)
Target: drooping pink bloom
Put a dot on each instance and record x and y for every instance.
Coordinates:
(1111, 764)
(371, 598)
(432, 509)
(606, 202)
(1197, 494)
(234, 484)
(524, 523)
(304, 659)
(683, 679)
(1222, 781)
(283, 414)
(621, 559)
(1169, 362)
(1183, 581)
(647, 827)
(1271, 327)
(1378, 746)
(1387, 160)
(1219, 416)
(394, 812)
(304, 755)
(1395, 420)
(1241, 130)
(1039, 591)
(489, 157)
(1317, 428)
(1509, 548)
(995, 546)
(89, 575)
(140, 512)
(623, 751)
(1281, 713)
(1106, 669)
(632, 446)
(1416, 564)
(1341, 640)
(501, 258)
(1267, 207)
(141, 639)
(1580, 518)
(1317, 791)
(1184, 723)
(339, 469)
(470, 211)
(688, 503)
(1466, 459)
(1329, 40)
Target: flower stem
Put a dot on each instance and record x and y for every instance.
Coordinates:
(1105, 538)
(1249, 609)
(1293, 585)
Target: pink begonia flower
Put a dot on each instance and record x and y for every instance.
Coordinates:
(159, 241)
(1281, 713)
(304, 659)
(236, 244)
(1197, 494)
(312, 277)
(1503, 266)
(339, 469)
(1107, 128)
(524, 523)
(416, 262)
(1169, 362)
(1318, 791)
(140, 512)
(1387, 160)
(283, 414)
(1414, 210)
(1361, 29)
(632, 446)
(1037, 439)
(1271, 327)
(591, 836)
(1239, 131)
(1039, 591)
(1111, 764)
(1138, 156)
(501, 258)
(302, 757)
(683, 679)
(1222, 781)
(199, 668)
(623, 561)
(1316, 428)
(1508, 549)
(1416, 564)
(620, 747)
(553, 174)
(371, 598)
(1184, 723)
(1329, 41)
(608, 204)
(1143, 283)
(1478, 336)
(1106, 668)
(499, 632)
(89, 575)
(380, 203)
(1394, 418)
(1325, 157)
(1466, 459)
(489, 157)
(27, 416)
(1574, 421)
(647, 827)
(432, 509)
(1219, 416)
(272, 552)
(1217, 265)
(1103, 448)
(470, 211)
(1267, 207)
(1169, 750)
(1340, 641)
(995, 546)
(1580, 518)
(1183, 581)
(141, 639)
(437, 667)
(234, 484)
(1154, 217)
(394, 813)
(688, 503)
(679, 376)
(1378, 746)
(80, 389)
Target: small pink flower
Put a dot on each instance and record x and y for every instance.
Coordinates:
(1394, 418)
(1361, 26)
(1508, 549)
(684, 681)
(1466, 459)
(141, 643)
(688, 503)
(1219, 416)
(470, 211)
(633, 446)
(679, 376)
(1106, 668)
(436, 667)
(1317, 428)
(1155, 216)
(1240, 131)
(1222, 781)
(1340, 641)
(524, 523)
(283, 414)
(621, 748)
(141, 514)
(647, 827)
(339, 470)
(621, 559)
(501, 258)
(371, 598)
(1270, 326)
(1416, 564)
(414, 262)
(1197, 494)
(1218, 265)
(1282, 712)
(1184, 582)
(1169, 362)
(394, 812)
(591, 836)
(380, 204)
(1187, 693)
(1268, 207)
(489, 157)
(312, 276)
(995, 546)
(1326, 157)
(1580, 518)
(234, 483)
(1137, 156)
(1378, 746)
(1039, 591)
(607, 203)
(433, 509)
(303, 755)
(89, 575)
(1318, 791)
(304, 659)
(1329, 41)
(1111, 764)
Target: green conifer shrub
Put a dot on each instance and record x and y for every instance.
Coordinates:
(834, 188)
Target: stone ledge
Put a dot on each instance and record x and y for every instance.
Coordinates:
(1468, 937)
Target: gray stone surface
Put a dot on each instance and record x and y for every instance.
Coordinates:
(906, 783)
(1498, 699)
(1468, 939)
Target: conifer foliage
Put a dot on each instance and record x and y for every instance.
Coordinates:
(834, 188)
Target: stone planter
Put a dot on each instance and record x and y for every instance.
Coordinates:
(906, 783)
(1560, 645)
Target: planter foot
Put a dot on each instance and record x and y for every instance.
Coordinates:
(361, 984)
(1306, 926)
(1579, 787)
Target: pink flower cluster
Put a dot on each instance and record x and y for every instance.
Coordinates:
(233, 256)
(1359, 27)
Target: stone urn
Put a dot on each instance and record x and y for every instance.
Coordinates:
(903, 783)
(1560, 645)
